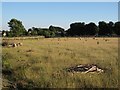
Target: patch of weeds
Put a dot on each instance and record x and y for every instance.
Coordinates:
(37, 69)
(6, 68)
(22, 84)
(33, 61)
(20, 72)
(30, 50)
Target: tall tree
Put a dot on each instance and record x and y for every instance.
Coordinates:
(117, 28)
(16, 28)
(111, 28)
(91, 29)
(103, 28)
(58, 31)
(76, 29)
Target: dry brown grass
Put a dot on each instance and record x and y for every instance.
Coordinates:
(44, 64)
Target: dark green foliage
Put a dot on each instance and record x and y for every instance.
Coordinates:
(80, 29)
(111, 28)
(76, 29)
(33, 31)
(104, 28)
(51, 32)
(58, 31)
(91, 29)
(16, 28)
(47, 33)
(117, 28)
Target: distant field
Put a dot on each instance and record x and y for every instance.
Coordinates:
(42, 62)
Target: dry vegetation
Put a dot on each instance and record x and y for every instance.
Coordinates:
(41, 63)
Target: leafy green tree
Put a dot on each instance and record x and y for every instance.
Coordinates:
(58, 31)
(91, 29)
(111, 28)
(32, 31)
(76, 29)
(16, 28)
(40, 32)
(103, 28)
(46, 33)
(106, 29)
(29, 32)
(117, 28)
(52, 34)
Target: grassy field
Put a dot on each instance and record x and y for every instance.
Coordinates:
(41, 63)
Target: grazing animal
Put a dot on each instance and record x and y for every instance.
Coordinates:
(14, 45)
(20, 44)
(80, 38)
(17, 44)
(106, 40)
(97, 42)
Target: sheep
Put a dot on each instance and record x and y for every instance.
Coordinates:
(80, 38)
(20, 44)
(106, 40)
(76, 38)
(14, 45)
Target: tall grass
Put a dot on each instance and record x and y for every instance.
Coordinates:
(41, 63)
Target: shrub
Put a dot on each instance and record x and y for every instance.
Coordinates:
(5, 43)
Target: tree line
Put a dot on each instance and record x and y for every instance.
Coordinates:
(76, 29)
